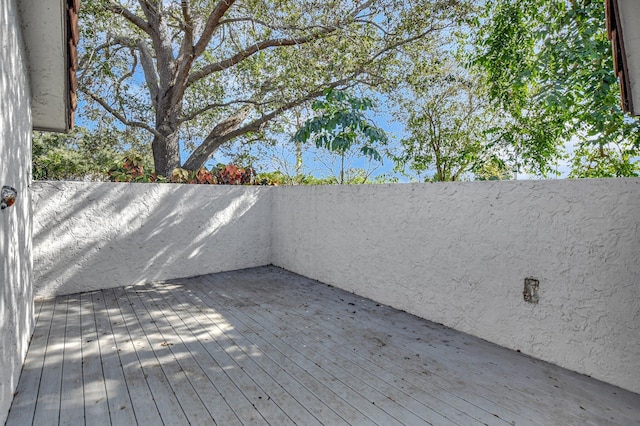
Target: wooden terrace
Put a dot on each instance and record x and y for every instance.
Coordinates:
(266, 346)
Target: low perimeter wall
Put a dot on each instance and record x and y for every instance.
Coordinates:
(453, 253)
(90, 236)
(458, 254)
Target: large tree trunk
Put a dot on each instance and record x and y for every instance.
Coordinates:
(223, 132)
(166, 153)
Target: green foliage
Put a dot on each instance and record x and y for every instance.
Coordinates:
(446, 116)
(233, 175)
(200, 176)
(277, 178)
(548, 66)
(493, 169)
(133, 167)
(340, 123)
(353, 176)
(78, 155)
(194, 88)
(604, 162)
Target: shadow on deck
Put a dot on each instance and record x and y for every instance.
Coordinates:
(266, 346)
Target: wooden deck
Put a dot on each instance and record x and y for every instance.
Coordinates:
(265, 346)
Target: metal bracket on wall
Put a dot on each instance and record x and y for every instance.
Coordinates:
(9, 195)
(530, 293)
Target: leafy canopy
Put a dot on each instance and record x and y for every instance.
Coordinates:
(79, 155)
(198, 74)
(447, 116)
(340, 123)
(548, 66)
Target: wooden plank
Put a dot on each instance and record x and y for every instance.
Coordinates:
(403, 386)
(96, 404)
(169, 350)
(239, 390)
(363, 399)
(367, 346)
(142, 400)
(308, 373)
(317, 304)
(72, 393)
(471, 381)
(269, 376)
(469, 365)
(267, 346)
(170, 409)
(316, 355)
(118, 399)
(48, 404)
(277, 397)
(195, 360)
(499, 375)
(402, 403)
(24, 402)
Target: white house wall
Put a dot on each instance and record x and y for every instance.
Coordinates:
(16, 297)
(458, 254)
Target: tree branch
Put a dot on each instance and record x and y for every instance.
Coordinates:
(194, 114)
(120, 116)
(268, 25)
(212, 23)
(230, 128)
(256, 47)
(406, 41)
(150, 76)
(186, 48)
(374, 24)
(150, 10)
(129, 16)
(244, 54)
(116, 41)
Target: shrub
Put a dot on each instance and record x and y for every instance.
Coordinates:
(133, 168)
(200, 176)
(233, 175)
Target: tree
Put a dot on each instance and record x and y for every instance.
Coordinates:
(548, 66)
(340, 124)
(493, 169)
(611, 160)
(197, 74)
(446, 116)
(79, 155)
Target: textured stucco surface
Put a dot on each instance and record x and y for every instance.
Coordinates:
(458, 253)
(454, 253)
(16, 297)
(89, 236)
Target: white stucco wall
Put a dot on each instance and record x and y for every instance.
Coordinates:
(458, 253)
(89, 236)
(453, 253)
(16, 297)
